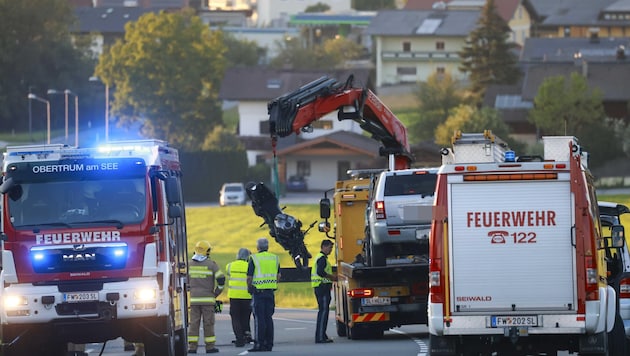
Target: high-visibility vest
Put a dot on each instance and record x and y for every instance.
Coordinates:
(266, 270)
(237, 282)
(316, 279)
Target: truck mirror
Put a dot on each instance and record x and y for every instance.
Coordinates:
(618, 236)
(324, 208)
(174, 211)
(6, 185)
(324, 226)
(173, 195)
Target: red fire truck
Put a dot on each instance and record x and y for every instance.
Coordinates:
(93, 247)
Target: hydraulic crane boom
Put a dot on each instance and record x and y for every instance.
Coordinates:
(294, 112)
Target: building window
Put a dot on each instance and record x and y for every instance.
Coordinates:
(406, 70)
(263, 127)
(440, 70)
(567, 31)
(439, 45)
(323, 124)
(406, 46)
(304, 168)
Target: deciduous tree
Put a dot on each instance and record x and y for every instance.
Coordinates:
(166, 73)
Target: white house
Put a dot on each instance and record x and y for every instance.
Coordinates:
(412, 45)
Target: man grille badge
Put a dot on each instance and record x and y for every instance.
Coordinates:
(80, 247)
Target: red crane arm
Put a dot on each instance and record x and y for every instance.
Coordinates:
(293, 112)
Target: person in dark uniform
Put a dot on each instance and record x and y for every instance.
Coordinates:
(263, 273)
(321, 281)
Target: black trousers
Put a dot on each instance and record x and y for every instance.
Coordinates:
(240, 312)
(264, 305)
(322, 293)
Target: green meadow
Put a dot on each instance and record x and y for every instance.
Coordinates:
(232, 227)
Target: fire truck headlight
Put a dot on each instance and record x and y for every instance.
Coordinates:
(14, 301)
(145, 295)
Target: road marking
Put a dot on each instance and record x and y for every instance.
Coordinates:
(296, 321)
(424, 348)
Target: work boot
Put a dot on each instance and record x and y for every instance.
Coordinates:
(213, 350)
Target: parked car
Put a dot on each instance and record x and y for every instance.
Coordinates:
(232, 194)
(296, 184)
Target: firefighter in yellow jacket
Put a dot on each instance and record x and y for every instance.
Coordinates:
(206, 282)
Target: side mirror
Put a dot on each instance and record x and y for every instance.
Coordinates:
(173, 195)
(324, 208)
(324, 226)
(618, 236)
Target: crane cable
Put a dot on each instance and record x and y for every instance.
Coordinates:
(274, 167)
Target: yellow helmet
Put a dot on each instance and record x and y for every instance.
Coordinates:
(202, 248)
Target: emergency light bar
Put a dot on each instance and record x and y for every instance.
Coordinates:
(512, 176)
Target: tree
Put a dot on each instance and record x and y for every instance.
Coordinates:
(487, 57)
(37, 53)
(319, 7)
(467, 118)
(222, 140)
(567, 106)
(166, 73)
(437, 97)
(331, 54)
(374, 5)
(241, 52)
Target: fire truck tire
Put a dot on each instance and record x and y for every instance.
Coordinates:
(162, 345)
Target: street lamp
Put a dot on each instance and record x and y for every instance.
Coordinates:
(97, 79)
(32, 96)
(76, 112)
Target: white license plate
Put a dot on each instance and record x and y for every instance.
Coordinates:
(422, 234)
(77, 297)
(514, 320)
(376, 301)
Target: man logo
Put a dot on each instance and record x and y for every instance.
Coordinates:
(78, 247)
(79, 257)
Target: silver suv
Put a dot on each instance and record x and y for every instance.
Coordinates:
(399, 216)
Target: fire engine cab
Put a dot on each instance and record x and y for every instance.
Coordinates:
(93, 247)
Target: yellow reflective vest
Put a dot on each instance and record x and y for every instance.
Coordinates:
(266, 270)
(316, 279)
(237, 282)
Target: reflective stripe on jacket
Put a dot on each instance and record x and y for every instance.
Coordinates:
(266, 270)
(203, 285)
(237, 283)
(316, 279)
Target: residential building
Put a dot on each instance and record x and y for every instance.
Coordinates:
(412, 45)
(276, 13)
(518, 14)
(584, 18)
(266, 38)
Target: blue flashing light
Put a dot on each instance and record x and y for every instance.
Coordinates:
(38, 256)
(121, 252)
(510, 156)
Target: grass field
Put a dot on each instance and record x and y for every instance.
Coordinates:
(232, 227)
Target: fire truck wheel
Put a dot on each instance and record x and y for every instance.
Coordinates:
(341, 329)
(164, 344)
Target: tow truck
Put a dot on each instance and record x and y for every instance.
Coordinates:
(368, 299)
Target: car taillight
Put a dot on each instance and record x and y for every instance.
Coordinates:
(361, 293)
(592, 292)
(379, 209)
(624, 288)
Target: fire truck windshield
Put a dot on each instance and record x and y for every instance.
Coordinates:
(83, 201)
